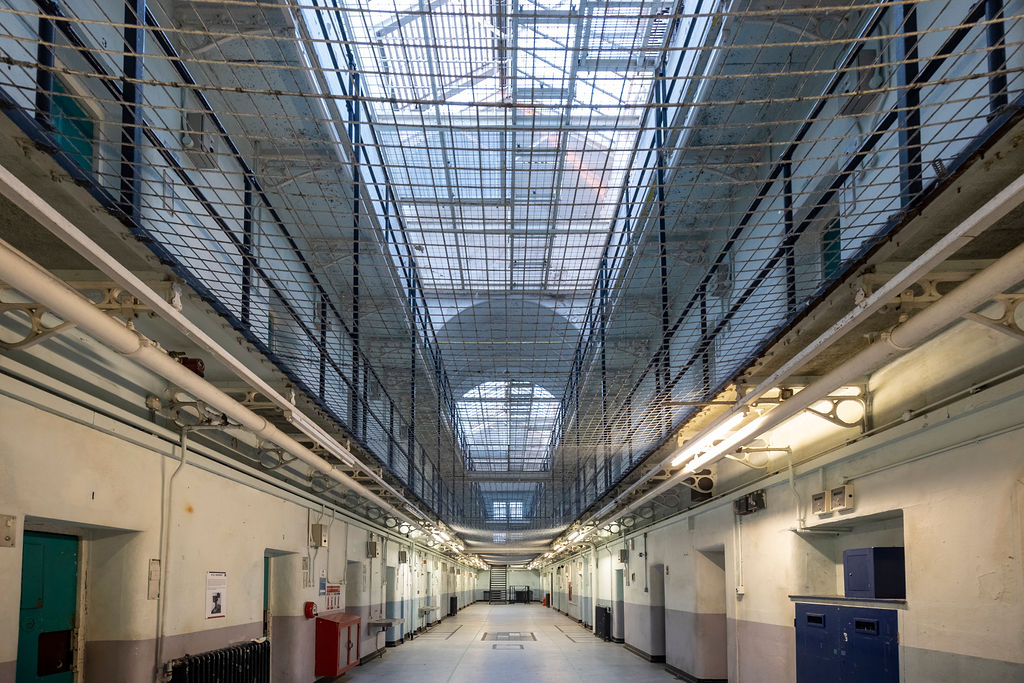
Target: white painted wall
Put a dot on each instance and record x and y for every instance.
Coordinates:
(66, 475)
(962, 507)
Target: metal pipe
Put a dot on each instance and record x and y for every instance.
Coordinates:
(29, 278)
(974, 225)
(165, 544)
(594, 583)
(998, 277)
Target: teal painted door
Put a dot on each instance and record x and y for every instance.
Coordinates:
(49, 588)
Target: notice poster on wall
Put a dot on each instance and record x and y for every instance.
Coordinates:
(216, 594)
(333, 592)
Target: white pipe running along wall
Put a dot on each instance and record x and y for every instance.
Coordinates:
(979, 289)
(595, 584)
(39, 209)
(974, 225)
(26, 276)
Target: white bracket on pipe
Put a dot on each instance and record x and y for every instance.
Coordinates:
(109, 297)
(1008, 322)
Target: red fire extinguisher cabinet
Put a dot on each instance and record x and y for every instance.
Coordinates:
(337, 643)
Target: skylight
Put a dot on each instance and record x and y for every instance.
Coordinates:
(508, 426)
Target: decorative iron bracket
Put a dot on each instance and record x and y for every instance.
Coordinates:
(1008, 322)
(108, 297)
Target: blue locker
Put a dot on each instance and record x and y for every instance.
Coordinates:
(840, 644)
(872, 645)
(817, 643)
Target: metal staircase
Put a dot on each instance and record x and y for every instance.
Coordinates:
(498, 594)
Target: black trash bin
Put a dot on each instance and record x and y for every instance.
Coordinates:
(603, 623)
(453, 606)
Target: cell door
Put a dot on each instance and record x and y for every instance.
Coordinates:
(49, 595)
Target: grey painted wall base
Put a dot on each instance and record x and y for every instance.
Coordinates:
(7, 672)
(697, 644)
(655, 659)
(690, 678)
(922, 665)
(767, 652)
(129, 661)
(292, 649)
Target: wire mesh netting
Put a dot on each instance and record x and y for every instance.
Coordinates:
(508, 245)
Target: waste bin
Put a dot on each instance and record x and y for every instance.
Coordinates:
(453, 606)
(603, 623)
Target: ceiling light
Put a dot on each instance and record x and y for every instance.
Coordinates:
(404, 529)
(391, 522)
(696, 447)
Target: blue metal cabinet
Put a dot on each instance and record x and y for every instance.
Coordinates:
(871, 641)
(874, 573)
(842, 644)
(817, 643)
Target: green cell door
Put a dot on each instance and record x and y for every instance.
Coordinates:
(49, 587)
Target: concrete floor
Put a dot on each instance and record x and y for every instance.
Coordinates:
(454, 650)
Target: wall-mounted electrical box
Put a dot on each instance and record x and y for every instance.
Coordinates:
(819, 503)
(403, 556)
(317, 535)
(623, 556)
(841, 498)
(750, 503)
(372, 549)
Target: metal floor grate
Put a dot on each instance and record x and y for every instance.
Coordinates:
(509, 635)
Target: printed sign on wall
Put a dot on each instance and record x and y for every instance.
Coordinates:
(216, 594)
(333, 596)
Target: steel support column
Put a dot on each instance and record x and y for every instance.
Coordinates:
(664, 371)
(248, 254)
(603, 280)
(908, 103)
(994, 32)
(131, 108)
(44, 71)
(322, 351)
(787, 210)
(412, 376)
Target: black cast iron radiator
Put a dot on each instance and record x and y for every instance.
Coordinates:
(247, 663)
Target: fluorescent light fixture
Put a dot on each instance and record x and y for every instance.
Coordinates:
(707, 444)
(727, 446)
(445, 536)
(574, 535)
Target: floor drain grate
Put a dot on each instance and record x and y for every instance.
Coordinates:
(509, 635)
(507, 646)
